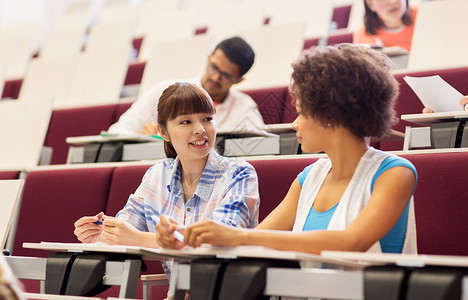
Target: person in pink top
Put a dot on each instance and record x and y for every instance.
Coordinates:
(387, 23)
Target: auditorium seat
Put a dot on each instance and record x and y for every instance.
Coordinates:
(23, 128)
(334, 39)
(12, 88)
(53, 200)
(440, 203)
(125, 181)
(340, 16)
(409, 103)
(317, 14)
(270, 103)
(76, 122)
(17, 43)
(9, 175)
(170, 59)
(134, 73)
(273, 188)
(120, 109)
(290, 113)
(99, 76)
(156, 27)
(276, 46)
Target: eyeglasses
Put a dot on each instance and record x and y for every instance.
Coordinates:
(225, 77)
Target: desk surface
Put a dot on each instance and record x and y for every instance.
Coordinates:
(411, 260)
(191, 253)
(81, 140)
(427, 119)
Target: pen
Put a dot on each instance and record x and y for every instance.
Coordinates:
(157, 137)
(99, 222)
(179, 236)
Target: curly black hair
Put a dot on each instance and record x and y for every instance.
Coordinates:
(347, 86)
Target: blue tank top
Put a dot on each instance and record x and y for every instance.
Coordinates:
(393, 241)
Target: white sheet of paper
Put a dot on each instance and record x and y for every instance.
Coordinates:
(435, 93)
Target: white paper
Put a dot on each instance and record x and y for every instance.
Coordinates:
(435, 93)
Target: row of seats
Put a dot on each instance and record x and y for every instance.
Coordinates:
(135, 70)
(71, 86)
(54, 199)
(275, 105)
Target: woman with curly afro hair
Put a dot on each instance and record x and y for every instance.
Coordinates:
(356, 199)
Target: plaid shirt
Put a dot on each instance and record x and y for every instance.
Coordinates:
(227, 192)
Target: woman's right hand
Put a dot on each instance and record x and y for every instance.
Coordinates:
(86, 230)
(165, 233)
(463, 103)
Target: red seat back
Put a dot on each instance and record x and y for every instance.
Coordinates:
(76, 122)
(53, 200)
(440, 203)
(270, 103)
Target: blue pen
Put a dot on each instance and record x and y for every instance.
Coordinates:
(99, 222)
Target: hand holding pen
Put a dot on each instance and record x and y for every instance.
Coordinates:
(169, 234)
(88, 229)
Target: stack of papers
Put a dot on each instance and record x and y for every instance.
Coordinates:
(435, 93)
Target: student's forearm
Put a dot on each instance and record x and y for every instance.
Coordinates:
(147, 239)
(312, 241)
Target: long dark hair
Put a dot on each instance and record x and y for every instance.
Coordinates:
(182, 98)
(372, 22)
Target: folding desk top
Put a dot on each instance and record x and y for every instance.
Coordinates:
(10, 191)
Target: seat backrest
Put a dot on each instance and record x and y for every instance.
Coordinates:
(408, 103)
(317, 15)
(334, 39)
(156, 26)
(10, 191)
(17, 43)
(49, 77)
(341, 16)
(53, 200)
(134, 72)
(125, 181)
(170, 59)
(290, 113)
(275, 46)
(120, 109)
(449, 50)
(273, 188)
(270, 103)
(99, 77)
(9, 175)
(23, 128)
(440, 203)
(76, 122)
(222, 19)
